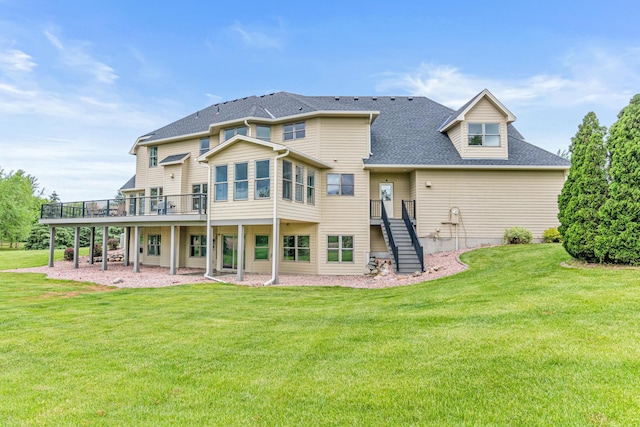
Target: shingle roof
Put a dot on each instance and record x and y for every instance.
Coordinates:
(174, 158)
(129, 185)
(405, 133)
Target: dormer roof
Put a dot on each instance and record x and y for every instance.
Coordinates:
(459, 115)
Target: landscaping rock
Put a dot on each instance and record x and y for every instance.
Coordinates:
(117, 280)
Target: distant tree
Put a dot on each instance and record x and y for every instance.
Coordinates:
(564, 153)
(584, 191)
(54, 198)
(619, 229)
(19, 205)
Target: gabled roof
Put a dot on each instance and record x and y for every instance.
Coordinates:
(129, 185)
(175, 159)
(405, 130)
(274, 146)
(459, 115)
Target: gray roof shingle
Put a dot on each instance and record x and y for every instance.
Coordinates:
(405, 133)
(129, 185)
(174, 158)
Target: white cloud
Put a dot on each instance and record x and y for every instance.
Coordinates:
(73, 55)
(16, 60)
(256, 39)
(213, 99)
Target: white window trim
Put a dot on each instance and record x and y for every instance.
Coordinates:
(485, 134)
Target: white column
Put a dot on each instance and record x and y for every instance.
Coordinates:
(136, 249)
(209, 254)
(52, 245)
(240, 273)
(76, 247)
(105, 247)
(172, 260)
(275, 261)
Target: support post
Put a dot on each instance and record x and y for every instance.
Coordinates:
(127, 245)
(240, 271)
(172, 261)
(209, 254)
(92, 242)
(136, 249)
(105, 247)
(275, 262)
(76, 247)
(52, 245)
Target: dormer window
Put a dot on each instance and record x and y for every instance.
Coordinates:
(231, 132)
(484, 134)
(293, 131)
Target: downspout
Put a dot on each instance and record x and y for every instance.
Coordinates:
(274, 260)
(246, 123)
(370, 120)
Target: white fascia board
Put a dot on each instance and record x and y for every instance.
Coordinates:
(478, 167)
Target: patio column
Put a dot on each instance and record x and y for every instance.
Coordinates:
(209, 254)
(240, 272)
(105, 247)
(275, 262)
(136, 249)
(92, 242)
(52, 245)
(172, 260)
(127, 245)
(76, 247)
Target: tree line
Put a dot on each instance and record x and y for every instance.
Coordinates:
(20, 201)
(599, 206)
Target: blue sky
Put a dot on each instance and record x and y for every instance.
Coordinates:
(80, 81)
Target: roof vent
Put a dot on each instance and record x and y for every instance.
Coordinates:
(197, 114)
(337, 98)
(410, 98)
(218, 112)
(375, 98)
(393, 98)
(299, 108)
(355, 98)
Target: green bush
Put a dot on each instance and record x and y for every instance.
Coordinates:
(113, 244)
(69, 254)
(97, 249)
(551, 235)
(517, 235)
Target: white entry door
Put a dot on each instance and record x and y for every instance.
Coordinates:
(386, 195)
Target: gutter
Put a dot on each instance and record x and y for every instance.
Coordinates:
(274, 259)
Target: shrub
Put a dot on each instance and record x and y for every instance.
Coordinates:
(69, 254)
(517, 235)
(113, 244)
(97, 249)
(551, 235)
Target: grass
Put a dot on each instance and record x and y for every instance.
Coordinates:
(514, 340)
(19, 258)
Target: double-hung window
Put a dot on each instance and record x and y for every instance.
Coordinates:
(262, 247)
(299, 184)
(340, 184)
(153, 247)
(339, 248)
(153, 157)
(293, 131)
(311, 187)
(204, 145)
(241, 181)
(199, 197)
(296, 248)
(286, 179)
(198, 246)
(484, 134)
(263, 132)
(263, 182)
(222, 184)
(231, 132)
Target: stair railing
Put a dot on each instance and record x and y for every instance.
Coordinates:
(392, 241)
(417, 245)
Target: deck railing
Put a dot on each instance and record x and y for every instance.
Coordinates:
(132, 206)
(415, 240)
(392, 240)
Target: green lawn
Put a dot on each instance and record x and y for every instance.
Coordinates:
(19, 258)
(515, 340)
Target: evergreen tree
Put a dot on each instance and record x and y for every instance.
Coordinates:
(584, 191)
(619, 231)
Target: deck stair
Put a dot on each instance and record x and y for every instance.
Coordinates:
(407, 257)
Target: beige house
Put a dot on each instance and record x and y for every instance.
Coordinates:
(285, 183)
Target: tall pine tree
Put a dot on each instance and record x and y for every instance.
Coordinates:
(584, 191)
(619, 230)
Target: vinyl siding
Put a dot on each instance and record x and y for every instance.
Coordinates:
(291, 209)
(377, 239)
(308, 145)
(344, 143)
(455, 135)
(484, 112)
(300, 267)
(185, 260)
(489, 201)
